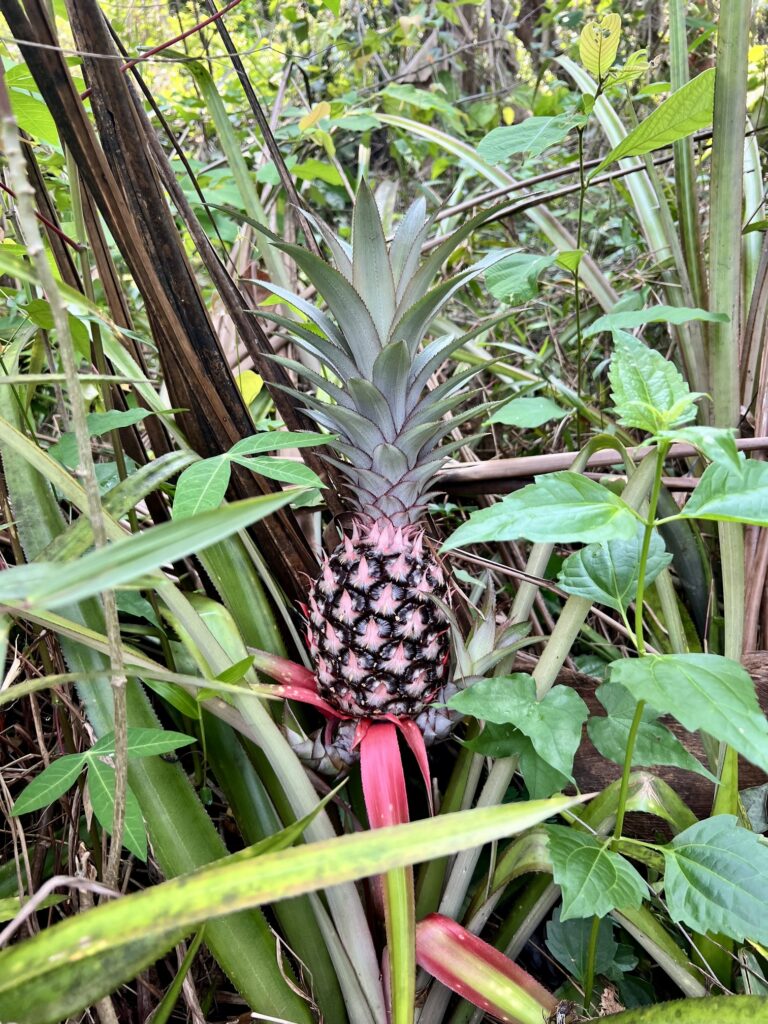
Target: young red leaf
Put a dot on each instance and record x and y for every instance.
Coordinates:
(480, 973)
(381, 768)
(283, 670)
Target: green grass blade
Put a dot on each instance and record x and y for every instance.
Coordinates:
(131, 557)
(36, 977)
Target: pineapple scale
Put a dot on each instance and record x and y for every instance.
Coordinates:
(378, 641)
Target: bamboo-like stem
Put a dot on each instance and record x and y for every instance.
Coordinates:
(685, 175)
(726, 198)
(36, 250)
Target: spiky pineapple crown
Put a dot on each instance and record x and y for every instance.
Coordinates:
(383, 301)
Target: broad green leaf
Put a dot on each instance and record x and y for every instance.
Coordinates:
(621, 322)
(593, 879)
(38, 979)
(99, 423)
(142, 742)
(101, 789)
(654, 743)
(514, 279)
(559, 508)
(49, 784)
(568, 942)
(648, 391)
(318, 170)
(685, 112)
(599, 44)
(553, 724)
(717, 443)
(44, 585)
(570, 259)
(287, 471)
(608, 573)
(736, 497)
(716, 879)
(202, 487)
(530, 137)
(275, 440)
(528, 412)
(33, 116)
(702, 691)
(541, 779)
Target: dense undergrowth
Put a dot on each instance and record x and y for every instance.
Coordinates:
(491, 277)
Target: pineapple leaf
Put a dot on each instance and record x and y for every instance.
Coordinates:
(434, 412)
(316, 345)
(446, 388)
(413, 323)
(371, 269)
(318, 318)
(425, 275)
(340, 250)
(356, 428)
(405, 250)
(339, 395)
(356, 456)
(352, 315)
(390, 375)
(369, 399)
(390, 462)
(435, 353)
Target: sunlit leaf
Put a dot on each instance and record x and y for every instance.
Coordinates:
(685, 112)
(599, 44)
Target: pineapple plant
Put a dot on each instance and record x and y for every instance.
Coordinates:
(376, 618)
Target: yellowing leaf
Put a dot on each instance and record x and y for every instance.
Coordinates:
(249, 384)
(599, 43)
(317, 113)
(508, 115)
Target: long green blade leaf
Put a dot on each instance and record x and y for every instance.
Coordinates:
(38, 977)
(44, 585)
